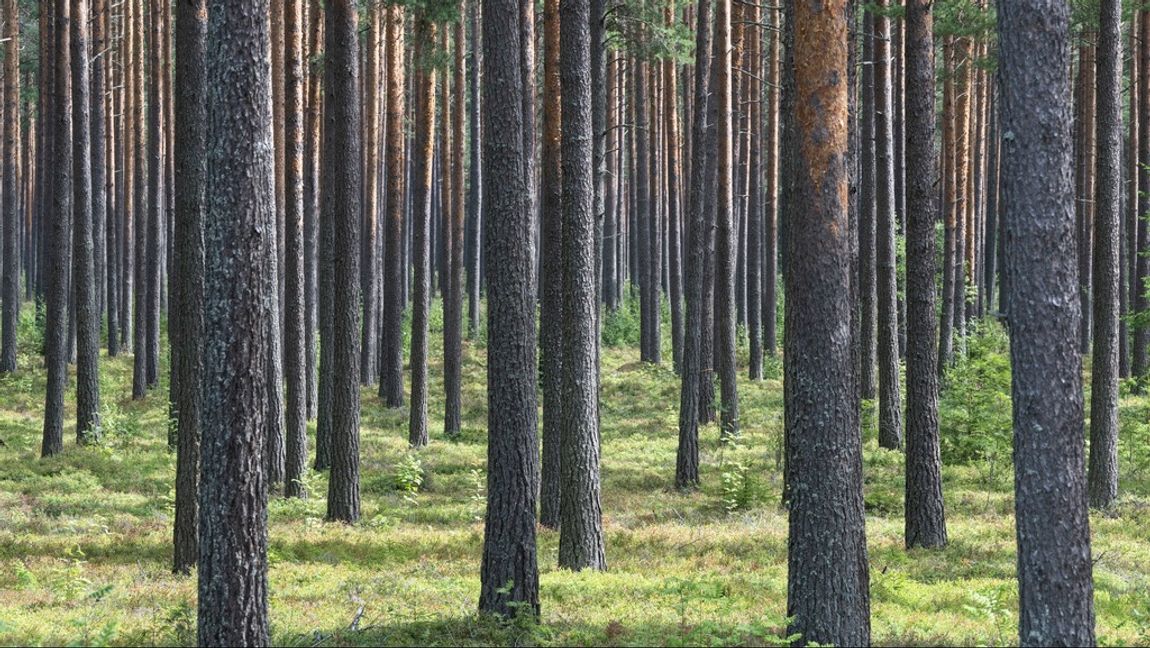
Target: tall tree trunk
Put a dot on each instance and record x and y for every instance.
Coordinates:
(552, 267)
(311, 235)
(1054, 566)
(341, 204)
(868, 292)
(140, 214)
(391, 368)
(186, 320)
(83, 270)
(890, 401)
(239, 234)
(925, 510)
(10, 319)
(454, 231)
(57, 265)
(673, 215)
(1102, 478)
(99, 157)
(295, 362)
(475, 174)
(827, 583)
(687, 455)
(509, 573)
(581, 534)
(156, 200)
(726, 232)
(421, 221)
(368, 270)
(771, 209)
(754, 217)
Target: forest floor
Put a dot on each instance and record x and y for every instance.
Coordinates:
(85, 537)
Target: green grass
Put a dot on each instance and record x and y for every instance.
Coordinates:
(85, 536)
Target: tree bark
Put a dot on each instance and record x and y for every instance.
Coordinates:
(391, 368)
(687, 455)
(294, 307)
(341, 204)
(726, 232)
(454, 231)
(925, 511)
(552, 281)
(239, 234)
(581, 535)
(890, 400)
(1102, 478)
(10, 319)
(421, 220)
(509, 573)
(1054, 565)
(827, 584)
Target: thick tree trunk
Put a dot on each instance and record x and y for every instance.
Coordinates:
(827, 589)
(1102, 478)
(509, 573)
(342, 211)
(581, 535)
(1054, 565)
(239, 234)
(925, 511)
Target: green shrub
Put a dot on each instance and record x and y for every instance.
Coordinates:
(975, 421)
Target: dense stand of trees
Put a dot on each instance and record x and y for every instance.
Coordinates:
(285, 183)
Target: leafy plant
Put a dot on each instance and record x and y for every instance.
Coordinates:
(409, 476)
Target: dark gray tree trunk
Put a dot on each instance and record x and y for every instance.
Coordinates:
(1054, 567)
(1102, 478)
(827, 583)
(186, 320)
(311, 193)
(925, 512)
(581, 534)
(83, 269)
(156, 201)
(509, 573)
(687, 456)
(58, 263)
(341, 204)
(294, 307)
(239, 234)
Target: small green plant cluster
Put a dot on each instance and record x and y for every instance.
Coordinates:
(478, 495)
(975, 405)
(409, 476)
(621, 327)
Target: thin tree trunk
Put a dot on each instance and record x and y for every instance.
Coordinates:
(726, 232)
(890, 400)
(11, 276)
(391, 369)
(1102, 478)
(421, 220)
(454, 231)
(295, 363)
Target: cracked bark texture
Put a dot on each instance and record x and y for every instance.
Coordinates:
(1054, 566)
